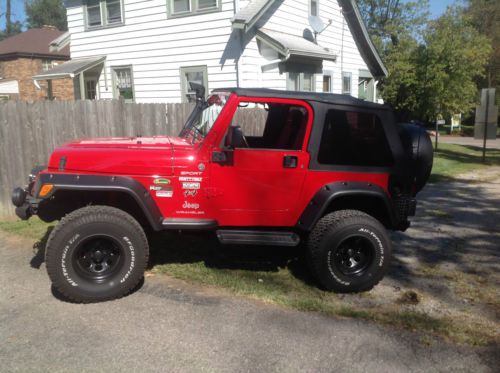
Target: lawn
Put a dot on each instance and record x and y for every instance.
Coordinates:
(452, 160)
(279, 275)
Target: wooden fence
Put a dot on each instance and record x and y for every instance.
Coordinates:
(29, 132)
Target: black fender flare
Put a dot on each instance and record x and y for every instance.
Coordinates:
(78, 182)
(328, 193)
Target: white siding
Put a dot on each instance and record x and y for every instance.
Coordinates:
(292, 18)
(9, 87)
(157, 47)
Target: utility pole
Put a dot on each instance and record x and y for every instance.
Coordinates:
(8, 24)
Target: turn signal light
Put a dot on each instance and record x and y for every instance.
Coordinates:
(45, 189)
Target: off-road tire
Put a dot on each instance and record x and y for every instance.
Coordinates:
(328, 241)
(115, 236)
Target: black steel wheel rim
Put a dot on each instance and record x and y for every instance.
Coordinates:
(354, 255)
(98, 258)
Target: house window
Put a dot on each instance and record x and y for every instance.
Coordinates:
(363, 89)
(101, 13)
(300, 82)
(346, 83)
(47, 64)
(190, 7)
(327, 83)
(123, 83)
(90, 89)
(314, 8)
(194, 74)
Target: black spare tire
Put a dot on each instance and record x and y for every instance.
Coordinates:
(418, 145)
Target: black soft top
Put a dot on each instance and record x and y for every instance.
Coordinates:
(327, 98)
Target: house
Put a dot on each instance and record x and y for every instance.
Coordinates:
(27, 54)
(148, 50)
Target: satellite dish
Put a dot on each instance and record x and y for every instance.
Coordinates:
(316, 24)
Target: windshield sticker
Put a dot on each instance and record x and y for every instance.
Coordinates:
(190, 193)
(161, 181)
(190, 185)
(190, 179)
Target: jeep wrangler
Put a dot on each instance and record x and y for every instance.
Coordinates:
(254, 166)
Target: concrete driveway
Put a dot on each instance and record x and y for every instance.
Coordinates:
(168, 325)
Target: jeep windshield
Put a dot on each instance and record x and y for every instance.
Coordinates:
(203, 117)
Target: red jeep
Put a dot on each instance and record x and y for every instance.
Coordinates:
(330, 170)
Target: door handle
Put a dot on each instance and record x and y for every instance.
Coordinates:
(290, 161)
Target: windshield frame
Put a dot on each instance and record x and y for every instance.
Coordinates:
(190, 128)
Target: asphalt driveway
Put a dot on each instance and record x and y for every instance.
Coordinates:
(168, 325)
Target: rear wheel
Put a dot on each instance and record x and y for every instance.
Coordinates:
(96, 253)
(349, 251)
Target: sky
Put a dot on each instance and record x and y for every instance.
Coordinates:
(437, 7)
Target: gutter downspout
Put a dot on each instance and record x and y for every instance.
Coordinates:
(236, 8)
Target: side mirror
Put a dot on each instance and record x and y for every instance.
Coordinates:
(235, 138)
(199, 91)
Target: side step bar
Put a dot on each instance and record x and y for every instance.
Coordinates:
(243, 237)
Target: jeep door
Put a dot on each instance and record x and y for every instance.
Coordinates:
(260, 180)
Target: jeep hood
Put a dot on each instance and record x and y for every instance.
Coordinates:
(120, 155)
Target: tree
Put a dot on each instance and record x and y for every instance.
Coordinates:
(10, 28)
(485, 16)
(46, 12)
(395, 26)
(388, 21)
(452, 57)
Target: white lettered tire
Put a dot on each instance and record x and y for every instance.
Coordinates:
(349, 251)
(96, 253)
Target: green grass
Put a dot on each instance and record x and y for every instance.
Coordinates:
(452, 160)
(33, 228)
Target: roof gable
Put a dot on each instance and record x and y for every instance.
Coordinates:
(247, 17)
(33, 43)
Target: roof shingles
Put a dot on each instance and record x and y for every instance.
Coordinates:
(33, 43)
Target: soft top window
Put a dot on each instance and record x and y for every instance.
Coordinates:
(354, 139)
(272, 125)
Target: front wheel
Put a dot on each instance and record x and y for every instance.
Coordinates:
(96, 253)
(349, 251)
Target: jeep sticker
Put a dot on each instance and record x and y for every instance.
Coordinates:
(190, 179)
(190, 193)
(188, 205)
(161, 181)
(164, 193)
(190, 185)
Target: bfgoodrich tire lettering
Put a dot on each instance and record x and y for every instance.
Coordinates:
(96, 253)
(348, 251)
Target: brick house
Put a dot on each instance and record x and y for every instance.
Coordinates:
(27, 54)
